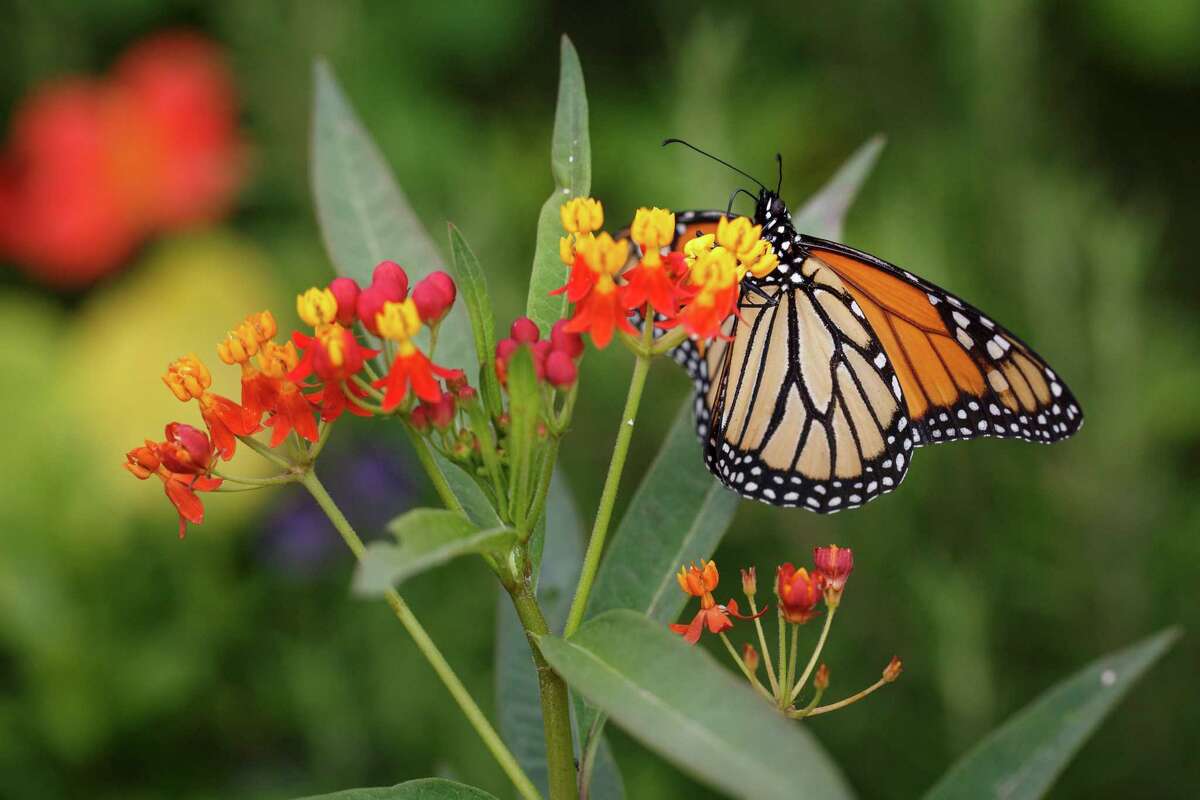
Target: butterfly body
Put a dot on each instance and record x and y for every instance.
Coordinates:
(838, 365)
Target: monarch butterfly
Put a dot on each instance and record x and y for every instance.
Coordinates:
(839, 364)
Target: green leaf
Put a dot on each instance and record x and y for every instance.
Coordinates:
(472, 288)
(422, 789)
(1022, 758)
(519, 708)
(364, 216)
(680, 703)
(479, 509)
(825, 211)
(571, 166)
(679, 514)
(428, 538)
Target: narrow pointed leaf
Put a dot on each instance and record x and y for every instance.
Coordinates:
(825, 212)
(473, 292)
(571, 166)
(679, 514)
(479, 509)
(1021, 759)
(422, 789)
(364, 216)
(682, 704)
(428, 538)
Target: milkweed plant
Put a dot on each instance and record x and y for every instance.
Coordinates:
(398, 338)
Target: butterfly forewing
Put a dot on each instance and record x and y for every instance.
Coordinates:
(964, 376)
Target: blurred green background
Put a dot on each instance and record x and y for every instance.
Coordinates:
(1037, 164)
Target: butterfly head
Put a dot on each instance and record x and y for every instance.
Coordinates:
(770, 210)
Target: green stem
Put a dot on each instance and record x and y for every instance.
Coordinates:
(265, 452)
(420, 637)
(258, 482)
(812, 662)
(591, 559)
(315, 450)
(556, 703)
(750, 676)
(543, 488)
(435, 473)
(854, 698)
(766, 654)
(782, 652)
(791, 673)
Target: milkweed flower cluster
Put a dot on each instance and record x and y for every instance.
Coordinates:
(292, 388)
(694, 288)
(799, 593)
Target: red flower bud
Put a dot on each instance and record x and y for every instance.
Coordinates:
(370, 303)
(345, 291)
(540, 351)
(560, 370)
(419, 419)
(391, 279)
(750, 657)
(835, 565)
(434, 295)
(565, 341)
(524, 330)
(456, 381)
(466, 394)
(892, 671)
(186, 450)
(504, 352)
(749, 581)
(441, 413)
(821, 679)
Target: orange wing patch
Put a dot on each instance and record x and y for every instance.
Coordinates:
(933, 368)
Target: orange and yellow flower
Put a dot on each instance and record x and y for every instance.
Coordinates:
(400, 322)
(654, 279)
(188, 379)
(700, 581)
(799, 593)
(713, 281)
(601, 310)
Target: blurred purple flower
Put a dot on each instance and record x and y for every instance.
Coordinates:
(372, 484)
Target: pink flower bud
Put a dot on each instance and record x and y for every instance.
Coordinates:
(564, 340)
(419, 419)
(370, 303)
(504, 352)
(346, 291)
(524, 330)
(560, 369)
(441, 413)
(540, 351)
(390, 278)
(434, 295)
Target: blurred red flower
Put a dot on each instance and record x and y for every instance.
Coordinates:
(94, 166)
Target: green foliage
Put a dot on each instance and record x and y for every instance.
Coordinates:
(571, 166)
(1021, 759)
(428, 537)
(679, 702)
(824, 214)
(473, 291)
(421, 789)
(365, 217)
(679, 514)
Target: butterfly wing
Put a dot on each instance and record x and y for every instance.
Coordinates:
(963, 375)
(803, 407)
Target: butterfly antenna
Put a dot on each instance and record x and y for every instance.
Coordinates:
(732, 197)
(714, 158)
(779, 160)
